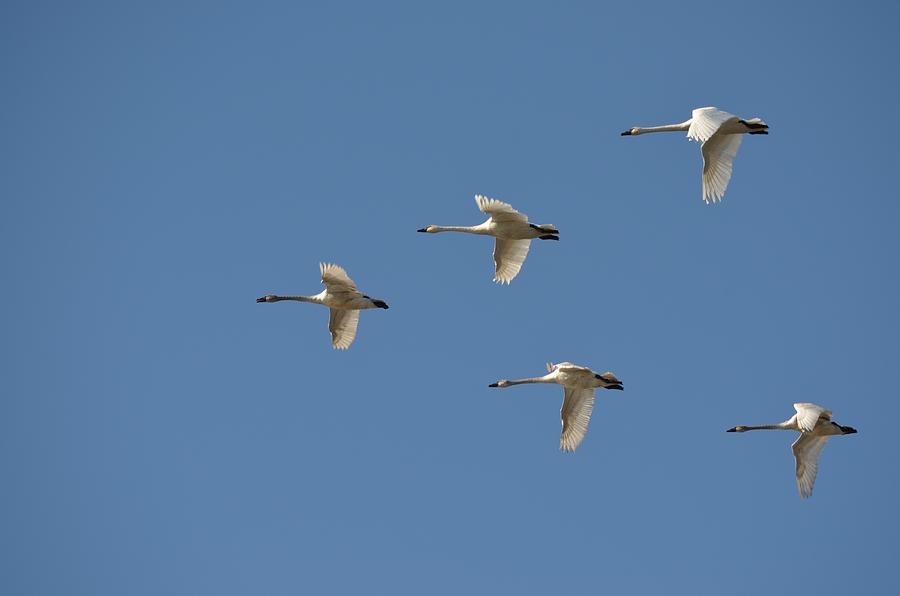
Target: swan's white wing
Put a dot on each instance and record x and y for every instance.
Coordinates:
(569, 367)
(705, 122)
(508, 258)
(575, 414)
(335, 278)
(498, 210)
(338, 283)
(342, 325)
(808, 415)
(806, 451)
(718, 154)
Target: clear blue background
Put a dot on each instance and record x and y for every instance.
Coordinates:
(161, 166)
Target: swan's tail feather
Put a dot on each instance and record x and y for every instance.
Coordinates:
(546, 228)
(756, 126)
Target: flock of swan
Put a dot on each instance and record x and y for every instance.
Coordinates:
(719, 134)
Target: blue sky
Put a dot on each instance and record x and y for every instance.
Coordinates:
(162, 166)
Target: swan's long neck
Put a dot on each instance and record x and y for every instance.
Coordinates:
(779, 426)
(466, 229)
(667, 128)
(543, 379)
(313, 299)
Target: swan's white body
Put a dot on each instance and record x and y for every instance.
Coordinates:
(343, 300)
(719, 134)
(512, 231)
(579, 383)
(814, 424)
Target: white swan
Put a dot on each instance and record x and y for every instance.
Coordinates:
(512, 231)
(720, 136)
(815, 426)
(343, 300)
(579, 383)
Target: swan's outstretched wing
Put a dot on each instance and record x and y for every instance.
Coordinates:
(334, 275)
(498, 210)
(337, 282)
(569, 367)
(508, 258)
(806, 451)
(575, 414)
(808, 416)
(718, 154)
(705, 122)
(342, 325)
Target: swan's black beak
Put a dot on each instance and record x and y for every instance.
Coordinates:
(732, 430)
(381, 304)
(849, 430)
(627, 133)
(619, 387)
(263, 299)
(493, 385)
(422, 230)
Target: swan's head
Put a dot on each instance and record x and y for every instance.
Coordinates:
(501, 383)
(737, 429)
(266, 299)
(428, 229)
(632, 132)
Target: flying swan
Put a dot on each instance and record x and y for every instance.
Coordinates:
(579, 383)
(512, 231)
(815, 426)
(343, 300)
(719, 134)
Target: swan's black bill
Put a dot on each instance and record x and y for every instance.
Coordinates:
(263, 299)
(548, 237)
(732, 430)
(617, 386)
(422, 230)
(627, 133)
(493, 385)
(380, 304)
(849, 430)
